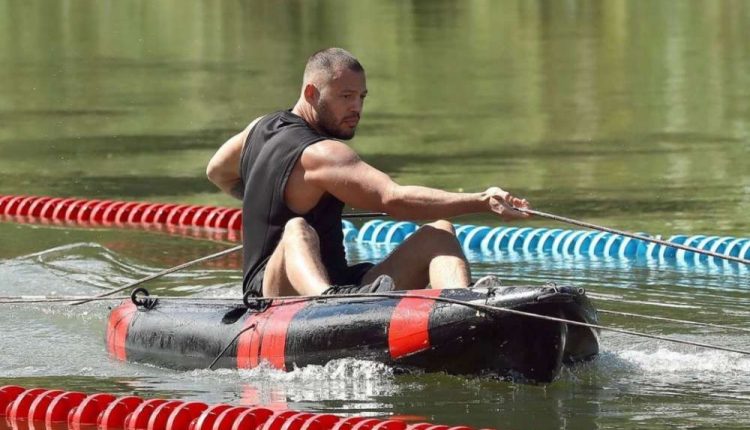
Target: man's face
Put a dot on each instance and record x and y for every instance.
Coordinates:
(340, 104)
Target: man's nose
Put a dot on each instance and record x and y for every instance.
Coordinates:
(356, 106)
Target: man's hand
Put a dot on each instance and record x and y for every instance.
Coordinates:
(504, 204)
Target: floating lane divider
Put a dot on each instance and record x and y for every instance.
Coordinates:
(209, 222)
(42, 408)
(225, 223)
(555, 241)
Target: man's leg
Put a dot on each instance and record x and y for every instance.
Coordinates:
(431, 255)
(295, 267)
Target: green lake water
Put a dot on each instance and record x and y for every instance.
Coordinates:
(631, 114)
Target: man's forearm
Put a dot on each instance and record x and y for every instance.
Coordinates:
(418, 203)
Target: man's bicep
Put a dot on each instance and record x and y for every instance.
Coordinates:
(352, 181)
(363, 186)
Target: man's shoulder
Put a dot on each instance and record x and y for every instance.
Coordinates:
(327, 152)
(253, 123)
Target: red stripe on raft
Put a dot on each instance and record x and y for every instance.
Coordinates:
(117, 329)
(267, 340)
(409, 329)
(248, 344)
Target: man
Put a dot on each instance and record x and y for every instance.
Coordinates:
(294, 174)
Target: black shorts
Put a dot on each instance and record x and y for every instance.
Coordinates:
(352, 275)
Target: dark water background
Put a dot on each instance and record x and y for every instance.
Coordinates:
(633, 114)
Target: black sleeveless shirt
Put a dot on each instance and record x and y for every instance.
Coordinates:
(271, 150)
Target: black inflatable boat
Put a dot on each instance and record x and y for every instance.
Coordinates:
(451, 330)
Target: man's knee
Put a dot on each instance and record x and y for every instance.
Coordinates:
(299, 229)
(437, 235)
(443, 225)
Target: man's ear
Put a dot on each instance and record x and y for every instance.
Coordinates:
(311, 94)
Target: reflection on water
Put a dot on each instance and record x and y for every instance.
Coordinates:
(633, 112)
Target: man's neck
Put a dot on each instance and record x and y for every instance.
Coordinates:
(303, 110)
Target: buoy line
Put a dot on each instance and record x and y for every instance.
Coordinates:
(635, 236)
(39, 408)
(227, 220)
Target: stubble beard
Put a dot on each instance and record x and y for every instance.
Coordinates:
(329, 126)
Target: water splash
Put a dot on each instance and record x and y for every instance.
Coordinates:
(710, 364)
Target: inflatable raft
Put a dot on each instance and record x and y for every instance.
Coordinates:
(458, 331)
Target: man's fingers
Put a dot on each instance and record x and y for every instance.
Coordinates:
(507, 206)
(518, 202)
(508, 210)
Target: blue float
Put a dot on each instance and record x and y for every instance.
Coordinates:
(580, 243)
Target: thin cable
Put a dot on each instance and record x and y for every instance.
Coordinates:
(363, 214)
(62, 299)
(491, 309)
(203, 259)
(664, 305)
(650, 317)
(231, 342)
(485, 308)
(633, 235)
(164, 272)
(488, 308)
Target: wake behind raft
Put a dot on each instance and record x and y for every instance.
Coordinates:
(447, 330)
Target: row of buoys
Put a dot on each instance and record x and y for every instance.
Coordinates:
(113, 212)
(582, 243)
(37, 408)
(205, 222)
(225, 224)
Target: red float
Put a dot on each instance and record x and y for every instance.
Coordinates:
(114, 416)
(88, 411)
(59, 409)
(251, 419)
(106, 412)
(160, 415)
(183, 415)
(38, 408)
(8, 394)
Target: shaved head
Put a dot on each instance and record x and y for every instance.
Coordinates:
(333, 93)
(323, 65)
